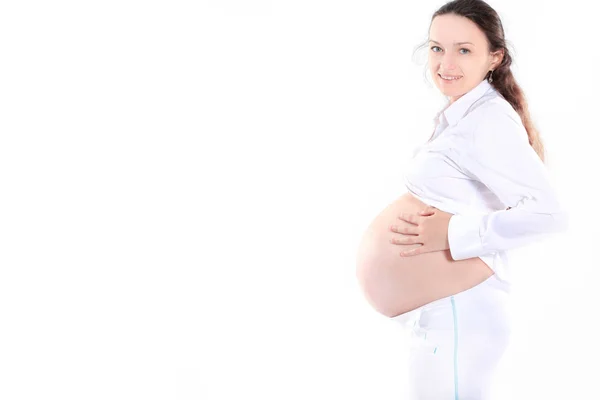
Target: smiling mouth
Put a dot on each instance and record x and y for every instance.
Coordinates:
(458, 77)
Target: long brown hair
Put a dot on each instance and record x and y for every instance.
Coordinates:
(488, 20)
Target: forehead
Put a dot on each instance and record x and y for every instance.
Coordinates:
(451, 28)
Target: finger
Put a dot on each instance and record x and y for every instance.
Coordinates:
(413, 252)
(408, 218)
(404, 240)
(428, 210)
(405, 230)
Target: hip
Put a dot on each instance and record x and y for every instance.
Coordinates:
(480, 310)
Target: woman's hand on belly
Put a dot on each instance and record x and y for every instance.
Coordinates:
(429, 228)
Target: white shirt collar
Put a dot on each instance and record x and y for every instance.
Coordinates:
(455, 111)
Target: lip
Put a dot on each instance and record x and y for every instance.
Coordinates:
(452, 81)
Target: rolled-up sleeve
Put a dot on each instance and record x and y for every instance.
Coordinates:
(498, 154)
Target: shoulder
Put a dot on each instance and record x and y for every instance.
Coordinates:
(494, 107)
(496, 122)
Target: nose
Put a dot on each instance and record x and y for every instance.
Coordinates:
(448, 63)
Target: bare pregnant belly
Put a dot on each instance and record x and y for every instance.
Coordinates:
(394, 285)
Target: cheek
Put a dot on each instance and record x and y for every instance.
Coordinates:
(434, 66)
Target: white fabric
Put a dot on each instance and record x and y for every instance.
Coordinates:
(457, 343)
(478, 163)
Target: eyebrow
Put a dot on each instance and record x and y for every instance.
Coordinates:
(456, 43)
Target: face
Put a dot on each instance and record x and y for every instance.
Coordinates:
(449, 57)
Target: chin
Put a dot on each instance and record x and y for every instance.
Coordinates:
(449, 92)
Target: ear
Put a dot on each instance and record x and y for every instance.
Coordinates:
(497, 58)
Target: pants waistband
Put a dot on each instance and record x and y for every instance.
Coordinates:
(491, 283)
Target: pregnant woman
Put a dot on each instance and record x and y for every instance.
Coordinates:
(475, 190)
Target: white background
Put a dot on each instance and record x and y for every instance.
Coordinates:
(183, 186)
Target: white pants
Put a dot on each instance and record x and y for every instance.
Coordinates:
(457, 341)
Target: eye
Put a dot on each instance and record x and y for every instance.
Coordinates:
(436, 47)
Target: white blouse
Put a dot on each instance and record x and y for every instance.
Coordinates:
(477, 164)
